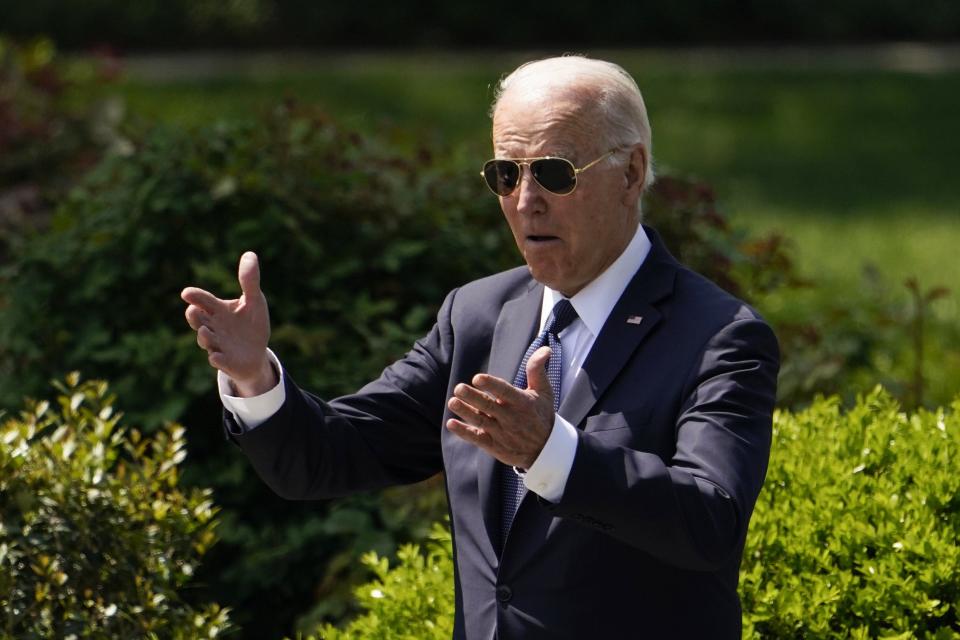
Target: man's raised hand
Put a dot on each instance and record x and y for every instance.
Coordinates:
(234, 333)
(510, 424)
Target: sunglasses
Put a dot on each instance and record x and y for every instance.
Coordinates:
(556, 175)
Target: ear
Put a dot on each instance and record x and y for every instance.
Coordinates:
(633, 173)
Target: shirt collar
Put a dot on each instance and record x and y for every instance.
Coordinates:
(595, 301)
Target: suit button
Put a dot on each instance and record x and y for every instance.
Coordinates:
(504, 593)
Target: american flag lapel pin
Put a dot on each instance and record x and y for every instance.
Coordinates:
(634, 319)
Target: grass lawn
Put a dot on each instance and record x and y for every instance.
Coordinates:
(856, 165)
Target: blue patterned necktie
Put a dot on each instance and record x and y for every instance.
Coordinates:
(511, 486)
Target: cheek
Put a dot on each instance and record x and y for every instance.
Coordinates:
(509, 213)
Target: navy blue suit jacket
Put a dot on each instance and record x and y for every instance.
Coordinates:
(674, 418)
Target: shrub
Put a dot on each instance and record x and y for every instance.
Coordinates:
(855, 534)
(413, 600)
(686, 214)
(844, 342)
(96, 537)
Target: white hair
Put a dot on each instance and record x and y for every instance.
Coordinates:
(614, 95)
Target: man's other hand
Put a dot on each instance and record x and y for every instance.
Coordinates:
(510, 424)
(234, 333)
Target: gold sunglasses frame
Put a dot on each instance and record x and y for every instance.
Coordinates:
(521, 162)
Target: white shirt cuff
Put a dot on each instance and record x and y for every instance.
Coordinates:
(254, 411)
(547, 477)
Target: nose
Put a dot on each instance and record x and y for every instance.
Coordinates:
(529, 194)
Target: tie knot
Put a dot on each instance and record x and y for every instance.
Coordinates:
(560, 318)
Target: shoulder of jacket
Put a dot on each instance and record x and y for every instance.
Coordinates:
(497, 288)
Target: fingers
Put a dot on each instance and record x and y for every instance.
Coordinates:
(470, 433)
(196, 317)
(510, 424)
(206, 339)
(494, 387)
(537, 371)
(470, 414)
(208, 302)
(476, 398)
(249, 274)
(489, 397)
(217, 360)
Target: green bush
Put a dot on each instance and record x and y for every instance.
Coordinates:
(96, 537)
(844, 342)
(855, 534)
(412, 600)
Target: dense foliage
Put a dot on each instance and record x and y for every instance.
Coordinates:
(97, 538)
(412, 600)
(848, 340)
(855, 535)
(856, 531)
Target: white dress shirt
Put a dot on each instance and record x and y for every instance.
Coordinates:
(548, 475)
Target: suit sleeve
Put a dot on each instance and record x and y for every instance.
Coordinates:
(387, 433)
(691, 510)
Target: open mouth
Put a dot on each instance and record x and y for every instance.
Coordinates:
(533, 238)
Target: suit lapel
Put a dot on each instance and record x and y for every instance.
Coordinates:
(631, 321)
(515, 330)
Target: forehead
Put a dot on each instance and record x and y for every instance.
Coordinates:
(538, 123)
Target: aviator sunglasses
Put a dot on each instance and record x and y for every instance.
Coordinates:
(556, 175)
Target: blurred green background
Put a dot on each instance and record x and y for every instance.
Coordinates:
(832, 123)
(849, 152)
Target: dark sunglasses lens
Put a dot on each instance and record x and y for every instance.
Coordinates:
(554, 174)
(502, 176)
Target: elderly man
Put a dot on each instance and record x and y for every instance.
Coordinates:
(602, 415)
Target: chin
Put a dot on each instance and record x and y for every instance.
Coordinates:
(543, 276)
(551, 280)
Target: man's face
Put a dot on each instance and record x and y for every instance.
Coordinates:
(567, 241)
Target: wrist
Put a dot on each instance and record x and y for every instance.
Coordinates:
(266, 380)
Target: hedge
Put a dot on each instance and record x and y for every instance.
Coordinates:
(412, 600)
(97, 538)
(856, 531)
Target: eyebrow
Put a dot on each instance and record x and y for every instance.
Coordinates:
(557, 152)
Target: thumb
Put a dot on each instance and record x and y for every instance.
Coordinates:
(249, 274)
(537, 371)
